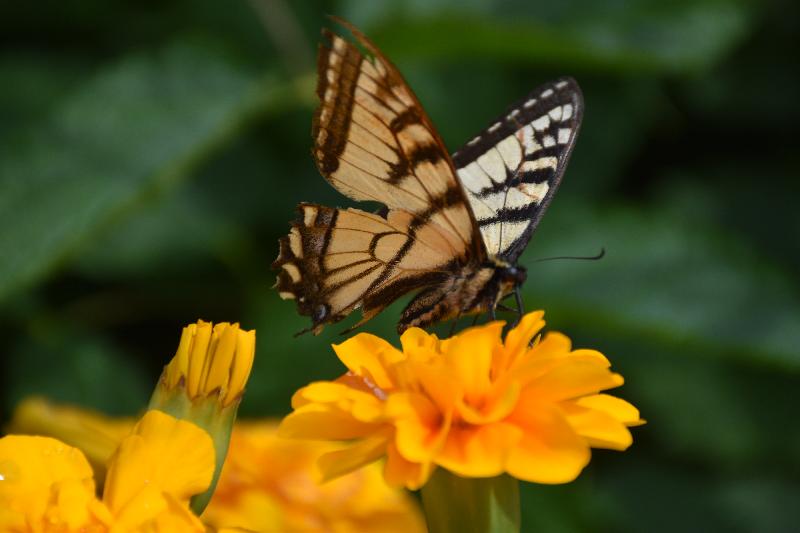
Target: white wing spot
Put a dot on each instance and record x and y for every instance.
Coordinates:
(513, 114)
(511, 151)
(529, 141)
(537, 164)
(541, 123)
(563, 135)
(548, 141)
(535, 191)
(556, 113)
(561, 85)
(473, 141)
(473, 177)
(494, 127)
(493, 165)
(511, 231)
(567, 113)
(547, 93)
(529, 103)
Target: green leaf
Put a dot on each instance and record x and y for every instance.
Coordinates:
(666, 278)
(74, 367)
(631, 36)
(122, 137)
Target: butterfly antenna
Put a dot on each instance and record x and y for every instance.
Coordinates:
(580, 258)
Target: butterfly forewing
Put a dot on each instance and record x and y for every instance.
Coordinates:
(373, 141)
(512, 169)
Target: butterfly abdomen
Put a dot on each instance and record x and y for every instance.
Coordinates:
(467, 291)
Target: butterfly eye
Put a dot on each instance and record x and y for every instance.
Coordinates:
(515, 274)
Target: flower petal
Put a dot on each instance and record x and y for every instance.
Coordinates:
(468, 356)
(421, 427)
(517, 340)
(33, 470)
(478, 451)
(400, 472)
(573, 379)
(611, 405)
(366, 355)
(550, 451)
(341, 462)
(172, 455)
(318, 421)
(600, 429)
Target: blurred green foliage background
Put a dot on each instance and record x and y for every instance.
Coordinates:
(152, 152)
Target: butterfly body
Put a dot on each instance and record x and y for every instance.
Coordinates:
(452, 228)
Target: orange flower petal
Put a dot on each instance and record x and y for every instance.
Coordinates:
(341, 462)
(573, 379)
(600, 429)
(421, 427)
(364, 405)
(400, 472)
(611, 405)
(468, 357)
(550, 451)
(478, 451)
(518, 340)
(320, 421)
(366, 355)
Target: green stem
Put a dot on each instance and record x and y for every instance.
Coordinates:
(471, 505)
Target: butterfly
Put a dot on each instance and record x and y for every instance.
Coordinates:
(451, 228)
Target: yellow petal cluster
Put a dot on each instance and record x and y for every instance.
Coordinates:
(48, 487)
(475, 404)
(212, 360)
(267, 484)
(272, 484)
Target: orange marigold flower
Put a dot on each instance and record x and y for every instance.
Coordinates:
(272, 484)
(475, 404)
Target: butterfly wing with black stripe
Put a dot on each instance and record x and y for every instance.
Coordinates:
(512, 169)
(373, 141)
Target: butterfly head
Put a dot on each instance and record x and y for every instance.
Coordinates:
(512, 275)
(508, 277)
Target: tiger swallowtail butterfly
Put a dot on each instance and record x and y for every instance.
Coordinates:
(452, 227)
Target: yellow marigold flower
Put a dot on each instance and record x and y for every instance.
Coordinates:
(96, 435)
(272, 484)
(475, 404)
(267, 484)
(47, 486)
(212, 361)
(205, 381)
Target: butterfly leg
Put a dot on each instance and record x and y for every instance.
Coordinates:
(520, 305)
(453, 327)
(492, 313)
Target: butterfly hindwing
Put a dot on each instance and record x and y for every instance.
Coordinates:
(337, 260)
(512, 169)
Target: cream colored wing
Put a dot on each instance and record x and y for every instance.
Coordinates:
(512, 169)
